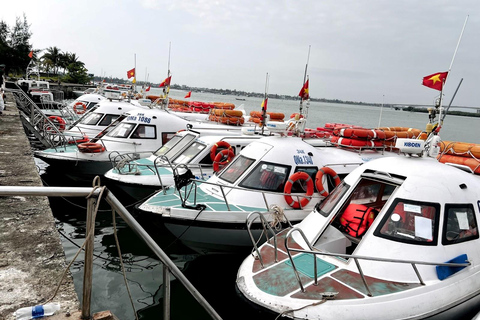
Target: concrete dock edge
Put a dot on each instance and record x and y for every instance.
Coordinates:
(32, 259)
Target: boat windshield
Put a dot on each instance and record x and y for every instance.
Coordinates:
(267, 176)
(191, 152)
(175, 145)
(91, 119)
(123, 130)
(238, 167)
(326, 206)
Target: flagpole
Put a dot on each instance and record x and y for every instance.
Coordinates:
(440, 116)
(265, 104)
(165, 89)
(304, 79)
(381, 109)
(135, 73)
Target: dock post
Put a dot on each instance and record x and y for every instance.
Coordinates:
(166, 293)
(88, 267)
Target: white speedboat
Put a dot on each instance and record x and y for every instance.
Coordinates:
(397, 239)
(136, 134)
(194, 150)
(283, 175)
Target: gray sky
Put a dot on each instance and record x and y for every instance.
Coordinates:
(370, 50)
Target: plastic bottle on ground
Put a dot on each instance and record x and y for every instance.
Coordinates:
(37, 311)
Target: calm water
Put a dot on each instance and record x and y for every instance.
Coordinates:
(213, 275)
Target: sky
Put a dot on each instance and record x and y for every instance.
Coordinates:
(374, 51)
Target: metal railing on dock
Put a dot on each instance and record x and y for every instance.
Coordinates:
(93, 195)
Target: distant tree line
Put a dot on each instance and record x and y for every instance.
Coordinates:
(15, 52)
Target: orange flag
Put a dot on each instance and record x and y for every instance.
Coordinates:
(30, 55)
(189, 94)
(304, 91)
(435, 81)
(131, 73)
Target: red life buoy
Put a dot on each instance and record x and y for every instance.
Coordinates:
(219, 144)
(355, 133)
(77, 141)
(57, 121)
(319, 177)
(91, 147)
(218, 159)
(80, 107)
(357, 143)
(300, 175)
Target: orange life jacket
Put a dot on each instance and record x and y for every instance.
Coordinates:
(356, 219)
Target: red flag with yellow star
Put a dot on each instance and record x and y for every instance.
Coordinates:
(304, 91)
(435, 81)
(131, 73)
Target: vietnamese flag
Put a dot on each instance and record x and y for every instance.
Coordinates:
(166, 82)
(148, 89)
(304, 91)
(436, 80)
(30, 55)
(264, 104)
(131, 73)
(188, 95)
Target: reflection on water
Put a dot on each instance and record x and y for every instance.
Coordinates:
(214, 275)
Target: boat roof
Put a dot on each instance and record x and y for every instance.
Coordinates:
(426, 179)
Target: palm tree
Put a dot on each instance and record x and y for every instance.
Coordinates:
(52, 58)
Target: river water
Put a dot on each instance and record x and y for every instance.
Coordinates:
(213, 275)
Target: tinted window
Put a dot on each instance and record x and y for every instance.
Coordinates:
(122, 130)
(411, 222)
(143, 131)
(91, 119)
(108, 119)
(459, 224)
(267, 176)
(238, 166)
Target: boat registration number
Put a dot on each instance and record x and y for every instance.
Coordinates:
(140, 118)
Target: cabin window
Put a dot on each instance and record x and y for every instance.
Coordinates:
(108, 119)
(326, 206)
(459, 224)
(144, 131)
(301, 187)
(366, 200)
(191, 152)
(166, 136)
(174, 145)
(410, 221)
(267, 176)
(123, 130)
(91, 119)
(238, 167)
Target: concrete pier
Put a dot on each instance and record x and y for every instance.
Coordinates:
(32, 259)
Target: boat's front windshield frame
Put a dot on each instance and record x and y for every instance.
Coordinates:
(329, 203)
(175, 145)
(189, 153)
(236, 169)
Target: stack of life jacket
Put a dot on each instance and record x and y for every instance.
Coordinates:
(356, 219)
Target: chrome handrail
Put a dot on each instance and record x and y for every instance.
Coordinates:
(265, 225)
(356, 258)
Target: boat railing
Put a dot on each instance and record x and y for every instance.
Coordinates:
(94, 195)
(194, 185)
(356, 259)
(266, 229)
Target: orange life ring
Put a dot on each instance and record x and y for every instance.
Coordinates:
(91, 147)
(355, 133)
(81, 140)
(227, 113)
(219, 144)
(300, 175)
(57, 121)
(236, 121)
(319, 177)
(357, 143)
(218, 159)
(472, 163)
(293, 115)
(80, 107)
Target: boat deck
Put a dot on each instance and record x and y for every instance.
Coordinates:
(279, 278)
